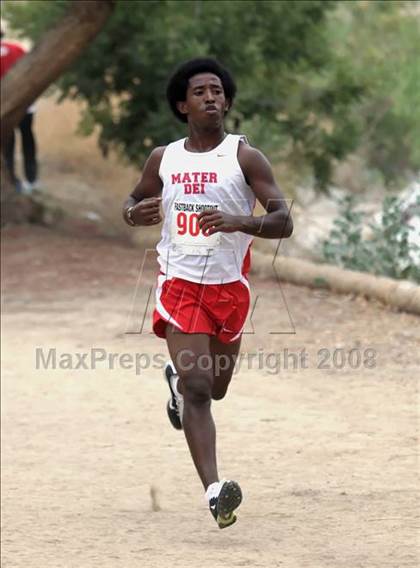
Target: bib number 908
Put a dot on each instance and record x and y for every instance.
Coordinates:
(189, 224)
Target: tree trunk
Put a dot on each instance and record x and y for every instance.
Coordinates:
(30, 77)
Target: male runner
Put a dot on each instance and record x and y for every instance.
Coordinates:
(208, 183)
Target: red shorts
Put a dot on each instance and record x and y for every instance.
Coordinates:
(214, 309)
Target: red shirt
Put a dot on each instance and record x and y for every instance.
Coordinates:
(10, 52)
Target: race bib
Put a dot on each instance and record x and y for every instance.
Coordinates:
(186, 235)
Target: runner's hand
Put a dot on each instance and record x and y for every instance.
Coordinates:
(218, 222)
(147, 212)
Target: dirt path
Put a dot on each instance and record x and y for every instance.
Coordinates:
(326, 457)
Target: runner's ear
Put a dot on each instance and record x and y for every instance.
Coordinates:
(182, 107)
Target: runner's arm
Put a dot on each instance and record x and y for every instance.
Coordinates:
(277, 223)
(144, 199)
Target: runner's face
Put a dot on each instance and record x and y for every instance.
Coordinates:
(205, 102)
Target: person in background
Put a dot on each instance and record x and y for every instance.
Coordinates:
(10, 53)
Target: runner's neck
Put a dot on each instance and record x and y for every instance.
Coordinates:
(204, 141)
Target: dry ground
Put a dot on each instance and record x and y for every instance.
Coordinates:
(326, 457)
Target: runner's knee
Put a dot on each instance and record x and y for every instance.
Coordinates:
(197, 387)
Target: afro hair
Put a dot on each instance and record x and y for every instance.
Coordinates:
(176, 90)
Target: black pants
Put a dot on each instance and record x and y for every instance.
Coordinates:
(29, 151)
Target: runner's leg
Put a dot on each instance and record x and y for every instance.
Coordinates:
(28, 147)
(196, 383)
(224, 358)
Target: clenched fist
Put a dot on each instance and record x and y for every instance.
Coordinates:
(147, 212)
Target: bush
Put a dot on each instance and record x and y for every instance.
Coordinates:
(388, 251)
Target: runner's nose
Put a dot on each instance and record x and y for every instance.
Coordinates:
(209, 97)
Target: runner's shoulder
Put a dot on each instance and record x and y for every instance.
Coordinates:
(154, 159)
(250, 157)
(157, 153)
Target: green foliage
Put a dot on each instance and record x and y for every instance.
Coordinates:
(317, 79)
(290, 97)
(31, 19)
(386, 252)
(379, 41)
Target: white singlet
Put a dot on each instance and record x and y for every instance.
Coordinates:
(193, 181)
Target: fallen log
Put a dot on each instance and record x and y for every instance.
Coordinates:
(400, 294)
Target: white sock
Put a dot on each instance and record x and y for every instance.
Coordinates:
(213, 490)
